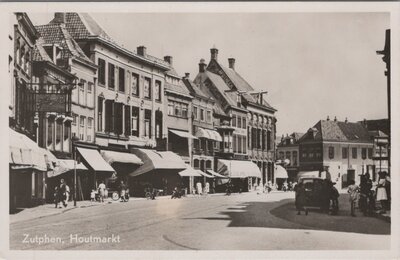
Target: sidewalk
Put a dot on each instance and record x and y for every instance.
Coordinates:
(49, 209)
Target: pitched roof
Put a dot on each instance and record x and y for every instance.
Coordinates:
(220, 84)
(328, 130)
(179, 88)
(39, 53)
(82, 26)
(241, 84)
(58, 34)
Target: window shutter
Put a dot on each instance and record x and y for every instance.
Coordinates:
(127, 120)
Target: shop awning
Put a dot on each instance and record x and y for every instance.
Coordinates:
(94, 160)
(111, 156)
(215, 174)
(154, 160)
(238, 169)
(189, 172)
(64, 166)
(215, 135)
(25, 153)
(202, 133)
(183, 134)
(206, 174)
(280, 172)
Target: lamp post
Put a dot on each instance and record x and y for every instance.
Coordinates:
(74, 139)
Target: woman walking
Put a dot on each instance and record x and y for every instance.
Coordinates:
(353, 190)
(381, 194)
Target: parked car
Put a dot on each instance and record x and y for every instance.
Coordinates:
(314, 188)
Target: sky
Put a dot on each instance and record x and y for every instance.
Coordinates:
(313, 65)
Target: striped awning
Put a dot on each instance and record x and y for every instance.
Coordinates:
(94, 160)
(111, 157)
(209, 134)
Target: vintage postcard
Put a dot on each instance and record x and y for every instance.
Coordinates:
(200, 130)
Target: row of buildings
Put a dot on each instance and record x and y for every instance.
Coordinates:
(125, 114)
(345, 150)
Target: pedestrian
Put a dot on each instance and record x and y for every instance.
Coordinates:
(381, 194)
(102, 191)
(364, 190)
(301, 199)
(93, 195)
(207, 188)
(353, 190)
(62, 192)
(67, 194)
(326, 190)
(388, 192)
(199, 188)
(334, 196)
(56, 196)
(122, 188)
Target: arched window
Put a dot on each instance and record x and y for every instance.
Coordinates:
(196, 164)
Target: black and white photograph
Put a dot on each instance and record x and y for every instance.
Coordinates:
(199, 130)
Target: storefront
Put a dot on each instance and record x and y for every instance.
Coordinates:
(159, 170)
(186, 175)
(281, 176)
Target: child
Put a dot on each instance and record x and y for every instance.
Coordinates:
(93, 195)
(353, 191)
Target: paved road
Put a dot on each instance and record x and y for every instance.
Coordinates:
(238, 222)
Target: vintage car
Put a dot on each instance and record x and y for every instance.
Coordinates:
(314, 187)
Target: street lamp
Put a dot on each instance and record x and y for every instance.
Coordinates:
(74, 139)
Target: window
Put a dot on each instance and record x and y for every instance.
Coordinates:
(202, 114)
(281, 155)
(195, 113)
(111, 76)
(178, 109)
(288, 157)
(147, 123)
(239, 122)
(170, 108)
(318, 154)
(135, 121)
(89, 94)
(127, 120)
(118, 119)
(234, 137)
(82, 128)
(184, 110)
(354, 152)
(311, 153)
(109, 116)
(244, 122)
(294, 160)
(50, 126)
(244, 144)
(100, 114)
(74, 119)
(196, 163)
(239, 144)
(209, 116)
(102, 71)
(121, 79)
(135, 84)
(369, 153)
(147, 88)
(82, 100)
(58, 131)
(364, 153)
(345, 152)
(208, 164)
(269, 140)
(331, 152)
(234, 120)
(157, 90)
(90, 122)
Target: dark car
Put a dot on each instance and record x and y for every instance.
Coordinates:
(314, 188)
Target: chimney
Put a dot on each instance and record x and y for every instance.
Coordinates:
(168, 59)
(214, 54)
(346, 120)
(335, 119)
(187, 75)
(231, 63)
(327, 119)
(365, 123)
(141, 50)
(202, 66)
(59, 17)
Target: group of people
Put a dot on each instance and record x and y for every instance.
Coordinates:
(199, 190)
(102, 192)
(61, 194)
(366, 194)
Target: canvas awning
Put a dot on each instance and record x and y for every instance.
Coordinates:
(64, 166)
(215, 174)
(189, 172)
(25, 153)
(215, 135)
(154, 160)
(183, 134)
(206, 174)
(111, 156)
(280, 172)
(238, 169)
(202, 133)
(94, 160)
